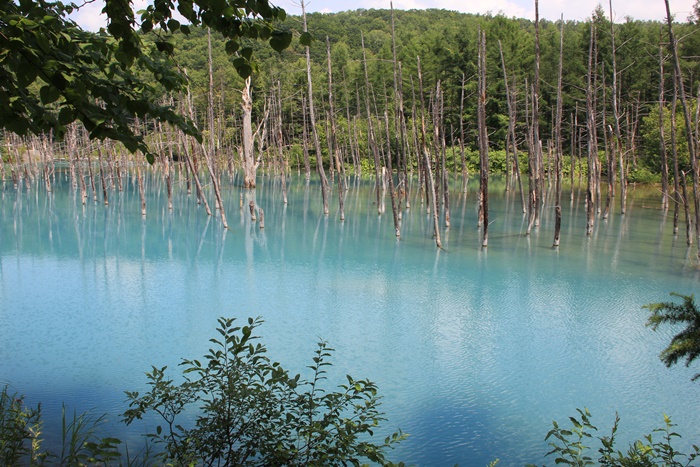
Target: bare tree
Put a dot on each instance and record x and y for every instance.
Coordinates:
(483, 141)
(325, 188)
(557, 139)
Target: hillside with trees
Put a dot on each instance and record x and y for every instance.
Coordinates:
(446, 44)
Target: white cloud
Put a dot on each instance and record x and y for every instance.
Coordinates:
(90, 16)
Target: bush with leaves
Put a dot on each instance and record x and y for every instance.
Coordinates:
(572, 446)
(21, 442)
(19, 429)
(248, 410)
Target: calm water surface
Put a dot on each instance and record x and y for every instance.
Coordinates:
(475, 351)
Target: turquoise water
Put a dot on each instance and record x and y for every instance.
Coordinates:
(475, 351)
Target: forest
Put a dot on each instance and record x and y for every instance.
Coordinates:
(446, 44)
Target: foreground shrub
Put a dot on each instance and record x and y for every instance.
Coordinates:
(572, 446)
(248, 410)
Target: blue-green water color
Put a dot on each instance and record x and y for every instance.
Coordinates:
(475, 351)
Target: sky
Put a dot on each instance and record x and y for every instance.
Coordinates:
(90, 18)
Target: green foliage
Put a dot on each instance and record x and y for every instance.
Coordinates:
(81, 444)
(20, 427)
(685, 344)
(572, 446)
(643, 175)
(97, 78)
(79, 76)
(651, 137)
(569, 445)
(248, 410)
(21, 443)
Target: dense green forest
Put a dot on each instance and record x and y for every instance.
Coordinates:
(446, 44)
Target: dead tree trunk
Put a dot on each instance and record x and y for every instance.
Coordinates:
(392, 192)
(510, 100)
(209, 152)
(686, 209)
(592, 140)
(426, 163)
(312, 117)
(483, 141)
(537, 201)
(609, 145)
(165, 158)
(250, 165)
(370, 131)
(461, 136)
(686, 114)
(532, 159)
(305, 141)
(399, 121)
(557, 140)
(617, 141)
(91, 173)
(677, 196)
(139, 177)
(102, 174)
(332, 143)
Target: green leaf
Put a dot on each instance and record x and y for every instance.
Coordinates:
(243, 67)
(305, 39)
(150, 158)
(147, 26)
(231, 47)
(42, 41)
(49, 94)
(164, 46)
(247, 53)
(173, 25)
(280, 40)
(26, 73)
(66, 116)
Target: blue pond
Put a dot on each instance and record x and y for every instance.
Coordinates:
(475, 351)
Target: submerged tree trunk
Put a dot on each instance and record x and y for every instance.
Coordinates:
(250, 166)
(465, 174)
(392, 193)
(305, 140)
(370, 132)
(617, 142)
(592, 140)
(483, 141)
(102, 174)
(427, 165)
(557, 140)
(510, 101)
(537, 146)
(678, 198)
(686, 114)
(332, 143)
(209, 152)
(662, 136)
(312, 117)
